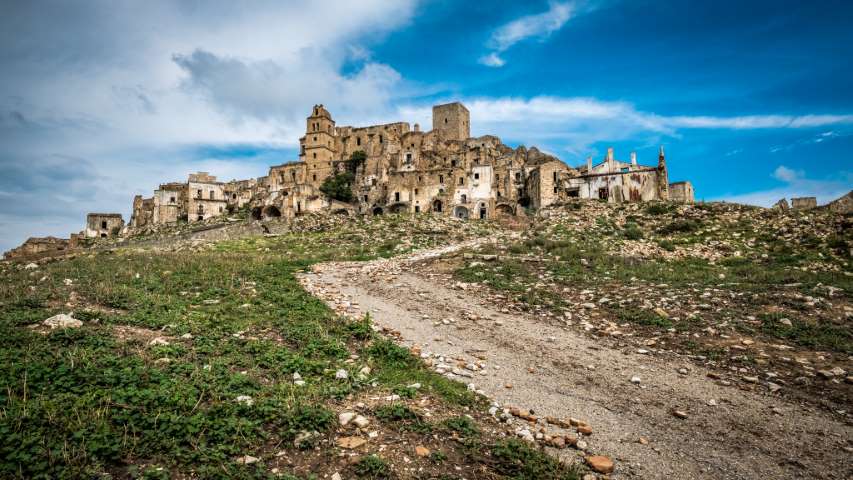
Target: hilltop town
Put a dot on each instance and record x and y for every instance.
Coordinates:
(390, 168)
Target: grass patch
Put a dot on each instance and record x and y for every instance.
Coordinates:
(814, 335)
(520, 461)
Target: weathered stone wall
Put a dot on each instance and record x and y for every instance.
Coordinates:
(36, 247)
(803, 203)
(681, 192)
(103, 225)
(453, 121)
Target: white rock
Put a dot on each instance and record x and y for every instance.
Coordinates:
(187, 336)
(636, 380)
(337, 476)
(345, 417)
(297, 376)
(62, 321)
(341, 374)
(68, 282)
(245, 400)
(360, 421)
(247, 459)
(30, 266)
(158, 341)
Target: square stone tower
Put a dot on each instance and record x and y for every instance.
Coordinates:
(452, 120)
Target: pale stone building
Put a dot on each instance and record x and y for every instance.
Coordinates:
(103, 225)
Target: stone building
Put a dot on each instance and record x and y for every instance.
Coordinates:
(36, 247)
(616, 181)
(103, 225)
(681, 192)
(404, 169)
(206, 197)
(803, 203)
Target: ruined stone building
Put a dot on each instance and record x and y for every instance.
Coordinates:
(444, 171)
(398, 168)
(103, 225)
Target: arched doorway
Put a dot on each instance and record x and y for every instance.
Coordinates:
(460, 212)
(483, 211)
(377, 211)
(257, 213)
(271, 212)
(464, 198)
(436, 206)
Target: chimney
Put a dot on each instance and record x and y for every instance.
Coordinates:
(417, 127)
(610, 154)
(634, 158)
(589, 164)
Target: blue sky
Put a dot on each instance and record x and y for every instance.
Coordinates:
(102, 100)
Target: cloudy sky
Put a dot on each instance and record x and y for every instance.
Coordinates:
(102, 100)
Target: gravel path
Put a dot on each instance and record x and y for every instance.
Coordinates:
(728, 433)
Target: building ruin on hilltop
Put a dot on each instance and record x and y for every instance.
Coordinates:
(404, 169)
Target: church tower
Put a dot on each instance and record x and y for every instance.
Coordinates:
(317, 147)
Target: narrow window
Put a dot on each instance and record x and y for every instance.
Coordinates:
(417, 208)
(315, 155)
(518, 175)
(555, 176)
(358, 140)
(199, 194)
(212, 195)
(408, 158)
(380, 138)
(315, 138)
(396, 196)
(315, 177)
(445, 121)
(171, 199)
(476, 176)
(365, 198)
(441, 179)
(497, 178)
(461, 180)
(233, 196)
(104, 224)
(416, 191)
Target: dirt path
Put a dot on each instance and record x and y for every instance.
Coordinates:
(556, 371)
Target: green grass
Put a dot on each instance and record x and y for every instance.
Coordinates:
(83, 403)
(815, 335)
(519, 460)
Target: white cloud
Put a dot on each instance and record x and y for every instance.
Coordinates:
(129, 90)
(539, 26)
(786, 174)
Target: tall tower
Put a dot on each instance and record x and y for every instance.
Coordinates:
(453, 120)
(663, 176)
(317, 147)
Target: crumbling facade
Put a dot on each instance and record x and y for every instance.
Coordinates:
(682, 192)
(103, 225)
(803, 203)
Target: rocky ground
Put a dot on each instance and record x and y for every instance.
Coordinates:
(628, 341)
(676, 374)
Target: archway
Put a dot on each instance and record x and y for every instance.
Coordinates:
(504, 209)
(271, 212)
(460, 212)
(483, 210)
(257, 213)
(436, 206)
(377, 211)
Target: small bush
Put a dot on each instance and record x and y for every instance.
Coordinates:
(372, 467)
(464, 426)
(521, 461)
(680, 226)
(632, 231)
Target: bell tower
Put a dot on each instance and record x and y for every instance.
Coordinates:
(317, 147)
